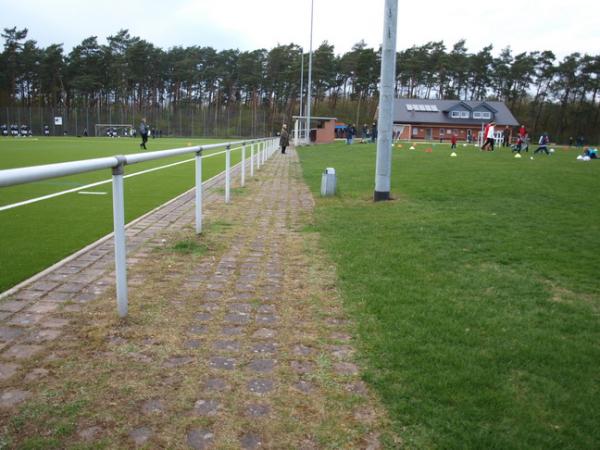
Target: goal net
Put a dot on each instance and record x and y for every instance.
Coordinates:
(114, 130)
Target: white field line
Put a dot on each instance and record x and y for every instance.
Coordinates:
(99, 183)
(92, 193)
(69, 258)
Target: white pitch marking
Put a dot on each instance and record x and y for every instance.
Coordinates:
(99, 183)
(92, 193)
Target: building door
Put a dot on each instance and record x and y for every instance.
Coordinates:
(429, 134)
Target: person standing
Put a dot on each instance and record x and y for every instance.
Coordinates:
(350, 131)
(374, 132)
(522, 132)
(453, 140)
(284, 138)
(144, 133)
(543, 144)
(489, 133)
(506, 137)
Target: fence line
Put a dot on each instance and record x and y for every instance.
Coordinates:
(11, 177)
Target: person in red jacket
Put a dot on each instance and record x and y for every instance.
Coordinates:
(453, 140)
(522, 132)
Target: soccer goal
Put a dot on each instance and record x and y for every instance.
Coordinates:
(113, 130)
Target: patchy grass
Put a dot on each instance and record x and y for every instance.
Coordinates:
(474, 291)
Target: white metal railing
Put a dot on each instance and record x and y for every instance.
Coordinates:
(260, 150)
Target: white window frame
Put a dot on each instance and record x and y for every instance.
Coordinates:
(464, 114)
(455, 114)
(482, 115)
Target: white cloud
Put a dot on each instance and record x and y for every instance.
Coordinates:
(524, 26)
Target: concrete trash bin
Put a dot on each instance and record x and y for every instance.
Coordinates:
(328, 182)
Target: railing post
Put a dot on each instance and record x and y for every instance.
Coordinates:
(264, 151)
(119, 236)
(252, 159)
(243, 180)
(227, 173)
(258, 150)
(199, 191)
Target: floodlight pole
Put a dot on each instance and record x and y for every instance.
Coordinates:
(301, 88)
(308, 94)
(383, 168)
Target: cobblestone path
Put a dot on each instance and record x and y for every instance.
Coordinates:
(236, 339)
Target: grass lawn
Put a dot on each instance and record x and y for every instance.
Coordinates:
(476, 291)
(33, 236)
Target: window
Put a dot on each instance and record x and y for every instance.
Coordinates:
(455, 114)
(482, 115)
(415, 131)
(464, 114)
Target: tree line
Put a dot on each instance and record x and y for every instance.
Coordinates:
(258, 90)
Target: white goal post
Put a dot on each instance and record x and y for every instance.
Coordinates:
(113, 129)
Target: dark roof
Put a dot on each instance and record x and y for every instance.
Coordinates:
(502, 115)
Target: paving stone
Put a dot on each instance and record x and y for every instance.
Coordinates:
(267, 347)
(90, 433)
(302, 350)
(22, 351)
(25, 319)
(198, 329)
(13, 306)
(260, 386)
(216, 384)
(262, 365)
(266, 319)
(232, 331)
(7, 370)
(200, 438)
(13, 397)
(43, 285)
(257, 410)
(344, 368)
(240, 307)
(264, 333)
(153, 406)
(141, 436)
(42, 335)
(210, 307)
(192, 343)
(73, 308)
(208, 407)
(202, 317)
(303, 366)
(341, 337)
(177, 361)
(219, 362)
(28, 295)
(229, 346)
(54, 323)
(304, 386)
(10, 333)
(42, 308)
(341, 351)
(60, 297)
(5, 315)
(266, 309)
(237, 318)
(36, 374)
(359, 388)
(250, 441)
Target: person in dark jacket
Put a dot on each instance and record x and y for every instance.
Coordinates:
(144, 133)
(284, 138)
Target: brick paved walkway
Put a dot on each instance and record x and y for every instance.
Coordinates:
(243, 346)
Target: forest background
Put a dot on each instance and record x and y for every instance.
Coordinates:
(202, 91)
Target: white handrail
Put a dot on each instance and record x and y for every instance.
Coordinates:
(21, 175)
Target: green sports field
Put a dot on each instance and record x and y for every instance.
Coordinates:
(476, 291)
(35, 236)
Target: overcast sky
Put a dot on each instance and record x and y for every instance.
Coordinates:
(524, 25)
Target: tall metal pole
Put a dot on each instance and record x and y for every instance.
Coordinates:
(199, 191)
(308, 94)
(383, 168)
(301, 89)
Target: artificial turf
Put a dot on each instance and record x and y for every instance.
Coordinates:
(35, 236)
(475, 291)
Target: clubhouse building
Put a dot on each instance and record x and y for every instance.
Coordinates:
(416, 119)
